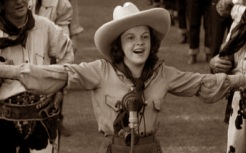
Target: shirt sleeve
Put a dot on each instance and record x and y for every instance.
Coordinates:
(41, 79)
(47, 79)
(208, 87)
(85, 76)
(64, 13)
(60, 45)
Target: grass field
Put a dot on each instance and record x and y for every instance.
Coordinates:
(187, 124)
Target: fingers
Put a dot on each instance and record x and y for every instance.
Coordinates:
(222, 70)
(220, 65)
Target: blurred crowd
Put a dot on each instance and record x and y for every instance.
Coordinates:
(191, 16)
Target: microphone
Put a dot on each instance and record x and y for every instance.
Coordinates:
(132, 102)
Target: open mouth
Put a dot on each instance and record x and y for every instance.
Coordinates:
(138, 51)
(19, 8)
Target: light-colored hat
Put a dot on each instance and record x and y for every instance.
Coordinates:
(126, 17)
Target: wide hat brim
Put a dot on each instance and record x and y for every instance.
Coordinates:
(157, 18)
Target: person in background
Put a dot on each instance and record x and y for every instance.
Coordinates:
(231, 60)
(150, 2)
(199, 12)
(63, 13)
(29, 121)
(171, 6)
(182, 8)
(130, 83)
(156, 3)
(220, 25)
(74, 27)
(58, 11)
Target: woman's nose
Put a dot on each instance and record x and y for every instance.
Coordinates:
(140, 42)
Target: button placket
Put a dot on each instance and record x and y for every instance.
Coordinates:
(25, 55)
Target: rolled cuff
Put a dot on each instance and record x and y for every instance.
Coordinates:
(237, 81)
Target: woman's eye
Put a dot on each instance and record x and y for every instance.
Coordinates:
(146, 36)
(130, 37)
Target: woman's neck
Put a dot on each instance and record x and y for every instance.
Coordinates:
(136, 70)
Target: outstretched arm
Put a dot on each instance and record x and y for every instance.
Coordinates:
(37, 78)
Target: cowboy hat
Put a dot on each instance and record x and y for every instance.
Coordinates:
(127, 17)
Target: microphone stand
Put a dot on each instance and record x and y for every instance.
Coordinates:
(132, 124)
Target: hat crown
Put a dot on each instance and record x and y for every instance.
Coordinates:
(127, 10)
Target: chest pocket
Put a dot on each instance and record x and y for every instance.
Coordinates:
(112, 102)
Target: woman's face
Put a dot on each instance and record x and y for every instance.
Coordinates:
(136, 45)
(15, 9)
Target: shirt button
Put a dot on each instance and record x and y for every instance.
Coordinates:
(141, 133)
(26, 61)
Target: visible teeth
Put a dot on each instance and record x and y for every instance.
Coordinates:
(138, 51)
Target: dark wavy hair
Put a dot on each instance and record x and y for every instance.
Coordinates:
(117, 54)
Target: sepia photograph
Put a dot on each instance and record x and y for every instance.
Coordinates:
(122, 76)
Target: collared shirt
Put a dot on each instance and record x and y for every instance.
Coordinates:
(108, 86)
(58, 11)
(44, 41)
